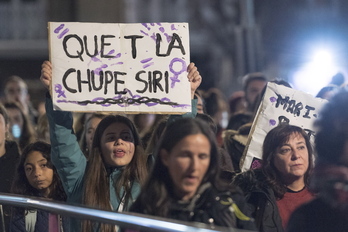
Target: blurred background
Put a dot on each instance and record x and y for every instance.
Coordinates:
(300, 41)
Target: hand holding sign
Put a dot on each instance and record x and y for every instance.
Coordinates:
(194, 77)
(121, 67)
(46, 75)
(279, 104)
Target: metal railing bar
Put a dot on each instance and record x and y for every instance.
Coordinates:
(124, 219)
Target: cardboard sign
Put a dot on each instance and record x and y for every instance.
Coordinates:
(133, 68)
(279, 104)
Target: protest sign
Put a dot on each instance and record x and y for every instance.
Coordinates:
(279, 104)
(132, 68)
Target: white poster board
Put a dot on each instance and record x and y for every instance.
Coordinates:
(132, 68)
(279, 104)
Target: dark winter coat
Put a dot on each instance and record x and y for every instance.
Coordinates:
(211, 207)
(39, 221)
(319, 216)
(214, 207)
(261, 200)
(8, 163)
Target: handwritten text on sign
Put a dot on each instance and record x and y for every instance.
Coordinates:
(280, 104)
(120, 67)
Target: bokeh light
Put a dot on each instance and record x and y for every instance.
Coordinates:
(316, 73)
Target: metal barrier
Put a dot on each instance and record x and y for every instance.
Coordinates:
(124, 219)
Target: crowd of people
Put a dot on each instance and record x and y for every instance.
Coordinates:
(183, 167)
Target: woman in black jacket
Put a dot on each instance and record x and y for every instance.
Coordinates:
(184, 183)
(275, 190)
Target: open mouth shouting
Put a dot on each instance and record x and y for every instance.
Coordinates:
(118, 153)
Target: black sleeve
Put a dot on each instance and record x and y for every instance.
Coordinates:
(298, 221)
(245, 212)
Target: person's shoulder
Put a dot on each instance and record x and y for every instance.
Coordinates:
(11, 144)
(217, 200)
(223, 194)
(304, 218)
(12, 149)
(249, 179)
(230, 209)
(317, 215)
(313, 206)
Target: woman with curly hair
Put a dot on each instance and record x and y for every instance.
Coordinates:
(37, 177)
(281, 184)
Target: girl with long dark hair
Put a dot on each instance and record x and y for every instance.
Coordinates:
(37, 177)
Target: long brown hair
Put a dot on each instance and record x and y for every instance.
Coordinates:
(158, 191)
(21, 184)
(273, 141)
(96, 185)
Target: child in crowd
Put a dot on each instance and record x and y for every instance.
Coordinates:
(36, 176)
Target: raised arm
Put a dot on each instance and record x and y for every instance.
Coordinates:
(46, 75)
(66, 154)
(194, 78)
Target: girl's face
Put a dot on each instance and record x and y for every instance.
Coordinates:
(91, 126)
(117, 145)
(39, 175)
(291, 159)
(187, 164)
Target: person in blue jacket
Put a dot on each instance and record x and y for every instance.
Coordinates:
(117, 165)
